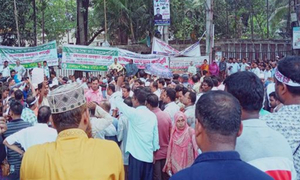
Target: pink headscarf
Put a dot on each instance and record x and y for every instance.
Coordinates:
(182, 150)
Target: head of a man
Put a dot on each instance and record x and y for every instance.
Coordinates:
(44, 115)
(152, 101)
(273, 100)
(18, 62)
(19, 95)
(287, 80)
(248, 89)
(44, 63)
(180, 91)
(154, 86)
(95, 83)
(161, 83)
(31, 102)
(16, 109)
(53, 74)
(207, 84)
(125, 91)
(12, 73)
(170, 95)
(205, 61)
(218, 126)
(39, 65)
(139, 97)
(131, 61)
(115, 60)
(111, 88)
(157, 11)
(5, 63)
(5, 92)
(43, 87)
(69, 109)
(192, 63)
(189, 98)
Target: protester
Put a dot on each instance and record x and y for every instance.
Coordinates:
(217, 129)
(182, 149)
(189, 100)
(169, 99)
(43, 93)
(40, 133)
(116, 66)
(164, 129)
(142, 138)
(46, 69)
(28, 114)
(192, 69)
(287, 120)
(197, 84)
(154, 89)
(123, 134)
(214, 68)
(54, 79)
(274, 103)
(5, 70)
(94, 94)
(222, 68)
(125, 91)
(258, 141)
(204, 67)
(20, 70)
(16, 124)
(99, 118)
(3, 128)
(73, 151)
(131, 69)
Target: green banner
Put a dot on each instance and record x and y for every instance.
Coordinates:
(87, 58)
(30, 56)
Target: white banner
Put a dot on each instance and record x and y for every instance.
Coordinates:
(29, 56)
(182, 63)
(141, 59)
(160, 47)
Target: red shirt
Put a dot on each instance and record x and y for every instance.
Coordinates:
(164, 126)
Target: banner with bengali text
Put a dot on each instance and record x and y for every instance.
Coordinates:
(29, 56)
(182, 63)
(86, 58)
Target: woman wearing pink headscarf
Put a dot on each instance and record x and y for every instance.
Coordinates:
(182, 150)
(214, 68)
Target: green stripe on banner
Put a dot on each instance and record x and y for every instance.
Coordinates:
(90, 51)
(83, 67)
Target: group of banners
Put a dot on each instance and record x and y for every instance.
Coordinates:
(86, 58)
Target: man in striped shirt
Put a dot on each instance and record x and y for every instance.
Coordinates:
(15, 125)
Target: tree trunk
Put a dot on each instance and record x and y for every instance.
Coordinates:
(82, 26)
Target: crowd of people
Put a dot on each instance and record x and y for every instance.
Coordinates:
(224, 120)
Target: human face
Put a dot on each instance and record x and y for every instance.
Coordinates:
(163, 95)
(5, 64)
(179, 96)
(186, 99)
(180, 123)
(116, 60)
(18, 63)
(39, 65)
(205, 87)
(272, 102)
(205, 61)
(95, 85)
(12, 74)
(5, 94)
(125, 93)
(44, 64)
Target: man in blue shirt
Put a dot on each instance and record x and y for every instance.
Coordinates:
(216, 131)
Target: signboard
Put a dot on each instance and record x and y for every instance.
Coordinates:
(182, 63)
(141, 59)
(296, 38)
(87, 58)
(29, 56)
(161, 12)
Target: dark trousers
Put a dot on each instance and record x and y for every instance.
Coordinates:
(158, 174)
(138, 170)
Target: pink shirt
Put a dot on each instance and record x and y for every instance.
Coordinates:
(214, 69)
(92, 95)
(164, 126)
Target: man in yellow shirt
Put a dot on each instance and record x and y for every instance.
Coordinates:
(74, 155)
(116, 66)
